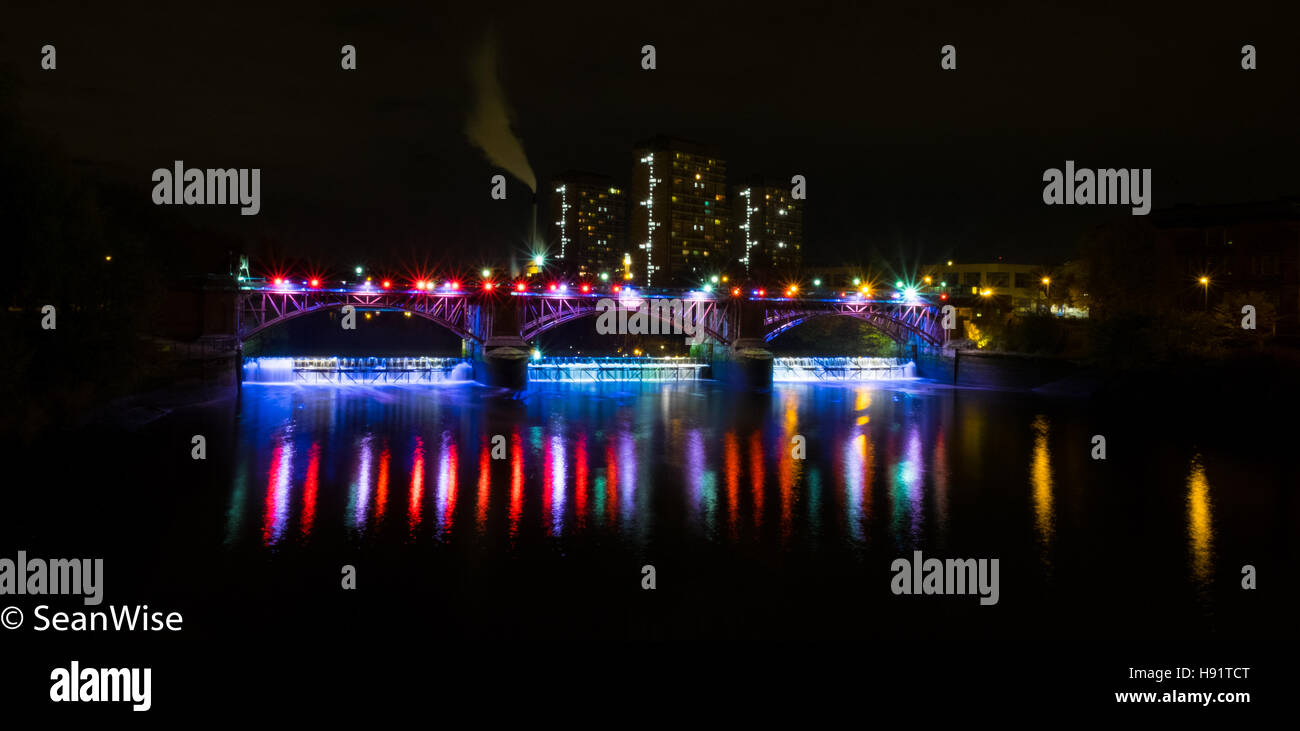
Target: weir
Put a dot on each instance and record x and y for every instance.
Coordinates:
(343, 371)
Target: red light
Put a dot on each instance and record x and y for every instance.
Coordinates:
(617, 288)
(943, 296)
(762, 293)
(455, 285)
(387, 284)
(315, 282)
(552, 287)
(519, 287)
(487, 286)
(586, 288)
(420, 284)
(279, 280)
(735, 291)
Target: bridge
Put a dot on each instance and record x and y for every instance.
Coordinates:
(732, 326)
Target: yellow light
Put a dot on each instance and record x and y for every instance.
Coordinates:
(1047, 280)
(406, 314)
(986, 292)
(927, 280)
(950, 262)
(1205, 280)
(108, 258)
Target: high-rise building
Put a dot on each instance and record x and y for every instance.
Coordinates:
(588, 224)
(768, 228)
(678, 213)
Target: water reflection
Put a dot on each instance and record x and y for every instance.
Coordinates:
(1200, 527)
(1040, 479)
(881, 470)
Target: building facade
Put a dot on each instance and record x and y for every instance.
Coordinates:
(678, 214)
(768, 223)
(1022, 287)
(587, 225)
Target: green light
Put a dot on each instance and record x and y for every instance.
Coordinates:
(539, 260)
(714, 279)
(358, 270)
(708, 288)
(817, 282)
(604, 276)
(943, 284)
(899, 283)
(857, 281)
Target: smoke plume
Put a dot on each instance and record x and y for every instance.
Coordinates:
(488, 126)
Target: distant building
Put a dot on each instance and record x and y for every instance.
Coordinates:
(1013, 286)
(768, 225)
(678, 213)
(1240, 248)
(588, 224)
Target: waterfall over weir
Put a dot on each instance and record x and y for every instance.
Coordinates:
(364, 371)
(841, 369)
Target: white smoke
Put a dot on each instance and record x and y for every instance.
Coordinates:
(489, 124)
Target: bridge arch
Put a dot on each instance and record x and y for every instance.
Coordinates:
(899, 321)
(260, 310)
(539, 315)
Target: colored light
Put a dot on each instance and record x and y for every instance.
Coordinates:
(943, 296)
(564, 287)
(552, 287)
(358, 271)
(539, 260)
(899, 283)
(519, 287)
(817, 282)
(420, 284)
(586, 288)
(604, 276)
(857, 281)
(279, 280)
(487, 286)
(454, 285)
(386, 284)
(708, 288)
(315, 282)
(762, 293)
(617, 288)
(714, 279)
(909, 293)
(486, 273)
(735, 291)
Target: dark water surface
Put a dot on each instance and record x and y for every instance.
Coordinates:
(453, 547)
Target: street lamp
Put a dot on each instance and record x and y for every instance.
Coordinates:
(1047, 291)
(1205, 284)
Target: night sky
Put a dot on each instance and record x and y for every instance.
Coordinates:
(901, 158)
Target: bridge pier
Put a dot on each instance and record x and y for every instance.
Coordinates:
(746, 364)
(501, 363)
